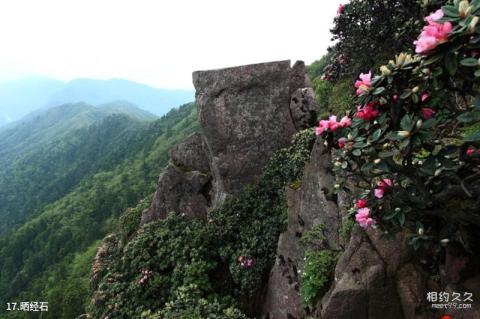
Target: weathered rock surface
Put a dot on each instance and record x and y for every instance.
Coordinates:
(180, 192)
(245, 116)
(395, 253)
(303, 108)
(362, 288)
(308, 206)
(190, 155)
(412, 289)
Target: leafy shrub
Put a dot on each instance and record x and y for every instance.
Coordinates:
(341, 96)
(364, 37)
(222, 263)
(317, 274)
(322, 94)
(129, 221)
(413, 144)
(189, 304)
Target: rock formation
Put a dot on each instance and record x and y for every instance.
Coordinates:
(245, 115)
(308, 206)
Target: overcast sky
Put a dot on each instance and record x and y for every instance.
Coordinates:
(157, 42)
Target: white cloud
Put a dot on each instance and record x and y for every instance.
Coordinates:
(156, 42)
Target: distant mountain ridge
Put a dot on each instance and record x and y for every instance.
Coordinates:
(44, 125)
(18, 98)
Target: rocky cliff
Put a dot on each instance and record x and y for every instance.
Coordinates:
(246, 114)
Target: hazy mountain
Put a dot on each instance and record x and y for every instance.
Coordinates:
(45, 125)
(95, 92)
(18, 98)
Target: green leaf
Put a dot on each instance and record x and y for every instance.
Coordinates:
(471, 133)
(429, 123)
(476, 102)
(428, 167)
(385, 154)
(477, 73)
(378, 90)
(376, 135)
(357, 152)
(450, 11)
(360, 145)
(390, 215)
(415, 98)
(406, 94)
(469, 117)
(406, 123)
(401, 218)
(432, 59)
(451, 63)
(469, 62)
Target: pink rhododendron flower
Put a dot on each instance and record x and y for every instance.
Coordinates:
(345, 121)
(428, 113)
(425, 97)
(384, 186)
(395, 98)
(437, 15)
(341, 9)
(470, 151)
(364, 83)
(367, 112)
(245, 262)
(363, 218)
(323, 125)
(379, 192)
(433, 34)
(341, 142)
(332, 124)
(361, 203)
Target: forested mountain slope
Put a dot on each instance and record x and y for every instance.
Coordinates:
(82, 183)
(45, 155)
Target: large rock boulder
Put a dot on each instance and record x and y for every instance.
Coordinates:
(179, 192)
(184, 185)
(190, 155)
(303, 108)
(245, 116)
(309, 206)
(362, 288)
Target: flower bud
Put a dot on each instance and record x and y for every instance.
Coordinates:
(397, 210)
(419, 124)
(377, 161)
(444, 241)
(421, 231)
(385, 70)
(403, 133)
(473, 24)
(464, 8)
(415, 89)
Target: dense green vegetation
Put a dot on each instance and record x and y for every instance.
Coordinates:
(181, 268)
(44, 157)
(116, 163)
